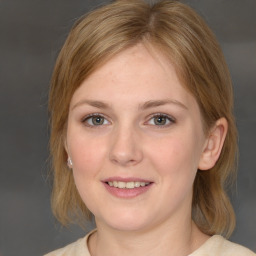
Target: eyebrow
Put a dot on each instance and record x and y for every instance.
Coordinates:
(157, 103)
(144, 106)
(93, 103)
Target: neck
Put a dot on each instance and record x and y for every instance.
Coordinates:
(177, 239)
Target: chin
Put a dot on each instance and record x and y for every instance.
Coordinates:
(126, 222)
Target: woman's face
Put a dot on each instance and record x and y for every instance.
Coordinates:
(136, 139)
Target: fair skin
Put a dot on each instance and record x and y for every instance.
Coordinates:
(132, 124)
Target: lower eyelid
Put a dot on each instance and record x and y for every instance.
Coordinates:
(88, 117)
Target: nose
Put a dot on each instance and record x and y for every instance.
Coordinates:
(126, 147)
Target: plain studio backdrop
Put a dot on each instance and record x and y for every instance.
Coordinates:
(31, 35)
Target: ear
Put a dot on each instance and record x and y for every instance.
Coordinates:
(213, 145)
(69, 161)
(65, 145)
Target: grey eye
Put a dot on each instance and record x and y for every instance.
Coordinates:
(160, 120)
(96, 120)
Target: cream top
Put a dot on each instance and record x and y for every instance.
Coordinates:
(214, 246)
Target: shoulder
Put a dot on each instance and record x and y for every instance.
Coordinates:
(217, 245)
(235, 249)
(78, 248)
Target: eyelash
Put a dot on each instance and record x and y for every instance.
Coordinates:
(88, 117)
(170, 119)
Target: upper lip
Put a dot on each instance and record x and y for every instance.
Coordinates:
(128, 179)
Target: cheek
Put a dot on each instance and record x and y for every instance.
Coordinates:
(176, 159)
(88, 159)
(173, 151)
(87, 154)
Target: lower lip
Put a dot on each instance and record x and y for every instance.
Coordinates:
(127, 192)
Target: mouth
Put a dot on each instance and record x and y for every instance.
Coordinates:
(127, 185)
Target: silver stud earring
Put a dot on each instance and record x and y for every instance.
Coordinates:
(69, 162)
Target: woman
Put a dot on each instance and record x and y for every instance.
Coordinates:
(143, 135)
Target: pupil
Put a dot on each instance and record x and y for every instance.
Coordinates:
(97, 120)
(160, 120)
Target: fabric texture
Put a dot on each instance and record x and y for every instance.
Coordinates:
(219, 246)
(214, 246)
(78, 248)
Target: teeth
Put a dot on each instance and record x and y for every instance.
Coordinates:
(121, 184)
(137, 184)
(130, 184)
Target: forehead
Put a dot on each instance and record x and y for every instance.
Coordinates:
(131, 66)
(134, 76)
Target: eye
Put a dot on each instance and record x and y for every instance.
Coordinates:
(161, 120)
(95, 120)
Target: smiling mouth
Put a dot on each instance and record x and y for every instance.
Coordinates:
(129, 185)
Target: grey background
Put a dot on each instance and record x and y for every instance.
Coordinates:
(31, 34)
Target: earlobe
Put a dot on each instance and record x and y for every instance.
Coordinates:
(69, 161)
(213, 145)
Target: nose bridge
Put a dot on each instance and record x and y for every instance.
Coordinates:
(125, 145)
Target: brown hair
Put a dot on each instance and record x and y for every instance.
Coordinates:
(180, 34)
